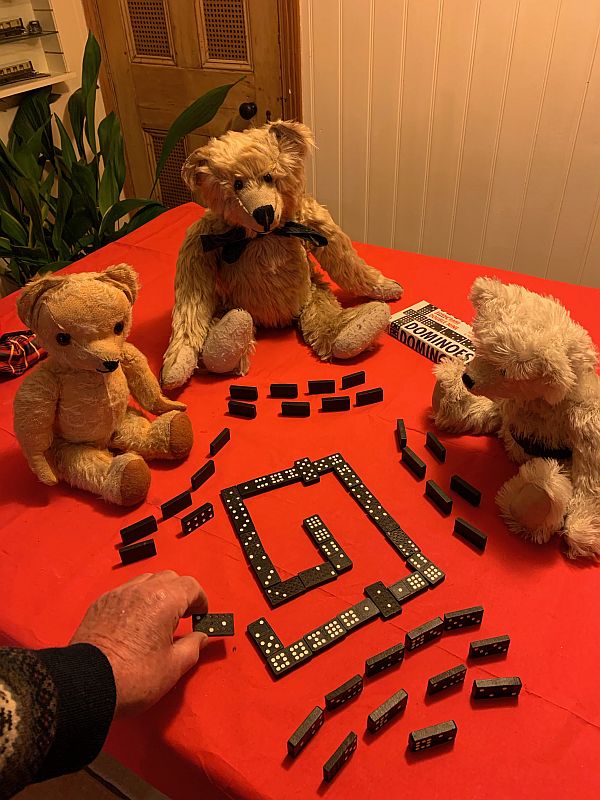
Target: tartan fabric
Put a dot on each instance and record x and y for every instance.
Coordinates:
(19, 350)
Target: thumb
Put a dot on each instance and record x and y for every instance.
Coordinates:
(186, 650)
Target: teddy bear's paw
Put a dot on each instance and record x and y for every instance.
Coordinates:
(230, 343)
(128, 480)
(361, 331)
(181, 435)
(178, 367)
(582, 528)
(386, 290)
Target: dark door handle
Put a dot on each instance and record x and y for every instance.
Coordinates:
(247, 110)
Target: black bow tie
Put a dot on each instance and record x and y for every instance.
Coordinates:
(234, 241)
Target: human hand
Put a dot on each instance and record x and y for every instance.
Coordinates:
(133, 625)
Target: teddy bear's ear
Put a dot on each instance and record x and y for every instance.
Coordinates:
(195, 167)
(484, 290)
(28, 301)
(292, 137)
(124, 278)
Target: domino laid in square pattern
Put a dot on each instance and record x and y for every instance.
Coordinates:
(349, 689)
(430, 571)
(401, 542)
(325, 635)
(317, 576)
(358, 614)
(263, 568)
(264, 637)
(383, 599)
(491, 688)
(213, 624)
(284, 591)
(384, 660)
(409, 587)
(347, 476)
(289, 658)
(424, 738)
(335, 762)
(424, 633)
(463, 618)
(387, 711)
(308, 474)
(197, 518)
(328, 546)
(450, 677)
(495, 645)
(328, 463)
(305, 731)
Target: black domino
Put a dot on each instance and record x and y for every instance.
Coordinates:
(328, 463)
(321, 387)
(438, 497)
(305, 731)
(325, 635)
(384, 660)
(213, 624)
(317, 576)
(291, 409)
(264, 637)
(358, 614)
(328, 546)
(175, 504)
(383, 599)
(369, 396)
(493, 688)
(387, 711)
(401, 542)
(351, 688)
(202, 475)
(307, 472)
(470, 533)
(138, 530)
(416, 465)
(263, 568)
(424, 633)
(430, 571)
(334, 764)
(131, 553)
(463, 618)
(197, 518)
(220, 441)
(401, 434)
(336, 403)
(493, 646)
(239, 409)
(354, 379)
(444, 680)
(284, 591)
(347, 476)
(409, 587)
(465, 490)
(289, 658)
(433, 444)
(424, 738)
(238, 392)
(284, 390)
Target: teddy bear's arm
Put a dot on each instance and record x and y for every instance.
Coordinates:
(456, 409)
(582, 523)
(143, 385)
(34, 413)
(342, 262)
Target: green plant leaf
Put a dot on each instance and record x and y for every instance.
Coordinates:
(76, 109)
(89, 82)
(85, 181)
(109, 191)
(144, 215)
(111, 147)
(31, 201)
(66, 146)
(9, 162)
(54, 266)
(199, 113)
(122, 207)
(32, 115)
(63, 205)
(13, 228)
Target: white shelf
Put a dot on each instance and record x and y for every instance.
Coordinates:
(37, 83)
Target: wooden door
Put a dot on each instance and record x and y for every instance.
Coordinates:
(160, 55)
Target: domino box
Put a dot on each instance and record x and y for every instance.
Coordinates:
(432, 332)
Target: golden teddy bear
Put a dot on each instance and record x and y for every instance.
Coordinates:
(72, 416)
(246, 264)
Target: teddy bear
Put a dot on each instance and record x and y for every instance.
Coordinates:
(72, 416)
(246, 262)
(533, 382)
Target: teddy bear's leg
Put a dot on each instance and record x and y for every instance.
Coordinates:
(535, 501)
(455, 408)
(333, 331)
(230, 343)
(168, 436)
(582, 526)
(123, 480)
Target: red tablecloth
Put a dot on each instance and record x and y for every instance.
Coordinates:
(223, 730)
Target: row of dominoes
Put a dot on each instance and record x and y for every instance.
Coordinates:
(133, 549)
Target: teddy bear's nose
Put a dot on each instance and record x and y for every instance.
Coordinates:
(264, 215)
(110, 365)
(468, 380)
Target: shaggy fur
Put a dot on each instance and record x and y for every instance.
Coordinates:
(534, 377)
(273, 283)
(71, 412)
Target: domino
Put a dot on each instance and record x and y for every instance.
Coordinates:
(264, 637)
(197, 518)
(401, 434)
(305, 731)
(354, 379)
(369, 396)
(317, 576)
(384, 660)
(335, 762)
(328, 463)
(328, 546)
(433, 735)
(263, 568)
(438, 497)
(239, 409)
(433, 444)
(308, 474)
(346, 475)
(470, 533)
(213, 624)
(358, 614)
(489, 688)
(416, 465)
(409, 587)
(238, 392)
(138, 530)
(325, 635)
(383, 599)
(351, 688)
(401, 542)
(284, 591)
(175, 504)
(202, 475)
(289, 658)
(463, 618)
(219, 441)
(387, 711)
(430, 571)
(291, 409)
(321, 387)
(284, 390)
(489, 647)
(465, 490)
(424, 633)
(336, 403)
(451, 677)
(131, 553)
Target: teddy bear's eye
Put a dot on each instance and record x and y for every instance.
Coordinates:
(268, 178)
(119, 327)
(238, 184)
(63, 339)
(502, 372)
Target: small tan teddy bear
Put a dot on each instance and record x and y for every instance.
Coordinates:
(72, 411)
(533, 382)
(245, 263)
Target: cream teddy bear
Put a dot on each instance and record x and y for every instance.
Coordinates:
(245, 263)
(533, 382)
(72, 411)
